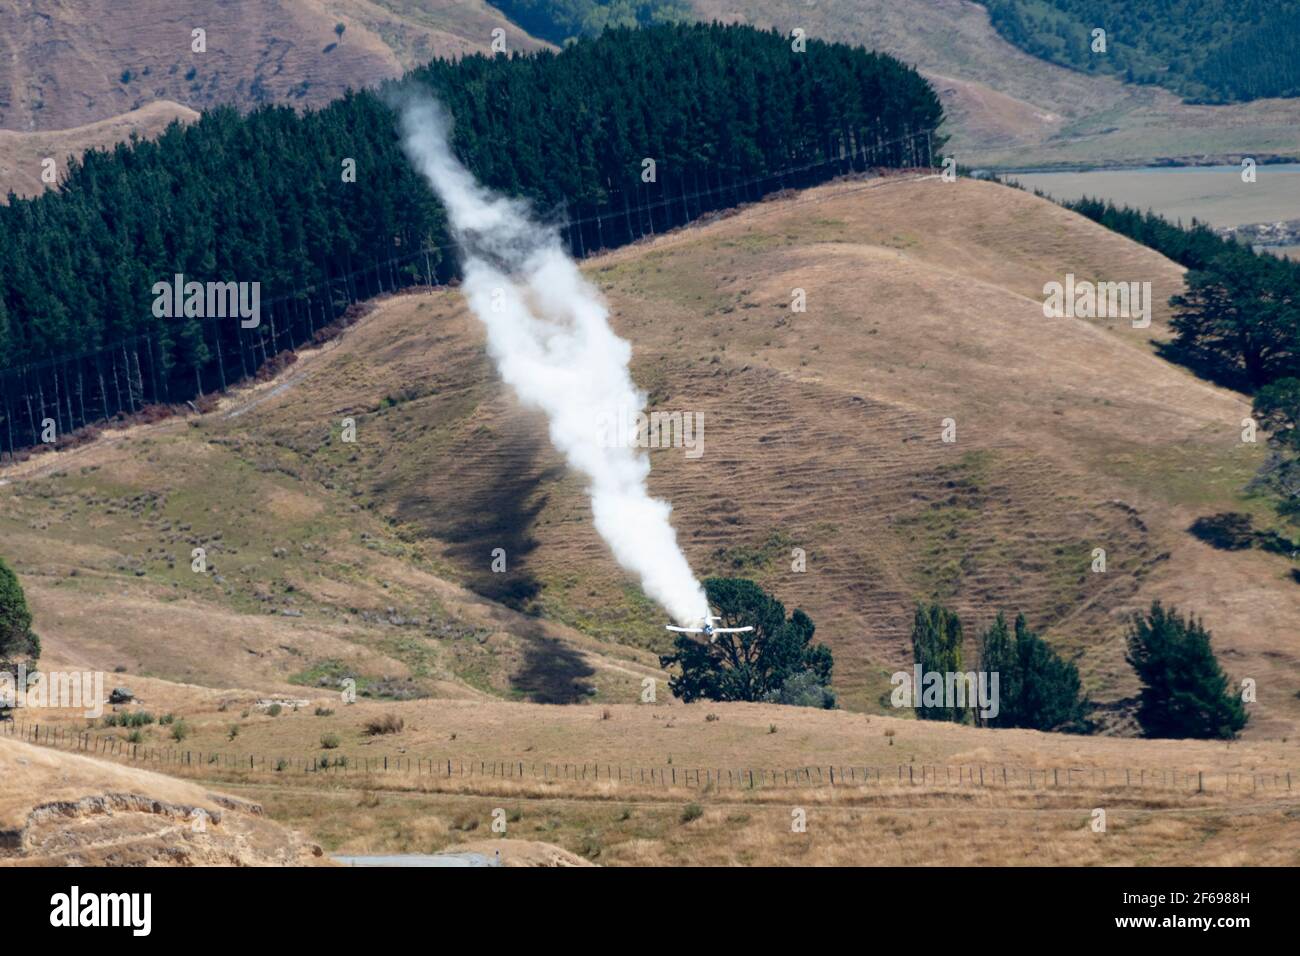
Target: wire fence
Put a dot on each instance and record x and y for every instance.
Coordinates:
(918, 775)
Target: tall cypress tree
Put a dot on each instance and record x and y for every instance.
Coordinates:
(936, 646)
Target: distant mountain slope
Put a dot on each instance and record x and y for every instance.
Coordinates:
(22, 154)
(82, 73)
(1008, 107)
(65, 64)
(1209, 50)
(560, 20)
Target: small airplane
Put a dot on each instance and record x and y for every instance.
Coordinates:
(708, 630)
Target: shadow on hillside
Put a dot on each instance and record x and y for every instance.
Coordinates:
(489, 492)
(485, 493)
(552, 672)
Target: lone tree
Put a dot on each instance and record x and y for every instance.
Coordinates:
(1184, 691)
(776, 661)
(1037, 688)
(17, 642)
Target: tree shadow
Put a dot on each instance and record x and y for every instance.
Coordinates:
(490, 491)
(489, 488)
(552, 672)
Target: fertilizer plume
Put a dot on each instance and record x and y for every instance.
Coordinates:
(547, 332)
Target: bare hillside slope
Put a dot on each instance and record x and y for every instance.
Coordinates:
(61, 809)
(823, 432)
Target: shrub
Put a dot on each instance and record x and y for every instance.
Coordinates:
(692, 811)
(180, 731)
(804, 689)
(589, 846)
(330, 741)
(387, 724)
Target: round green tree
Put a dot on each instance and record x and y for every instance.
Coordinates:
(1184, 691)
(17, 642)
(776, 661)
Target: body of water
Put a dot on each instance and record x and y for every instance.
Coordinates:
(1211, 194)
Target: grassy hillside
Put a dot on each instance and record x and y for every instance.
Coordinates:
(303, 583)
(67, 64)
(88, 74)
(22, 154)
(371, 559)
(822, 432)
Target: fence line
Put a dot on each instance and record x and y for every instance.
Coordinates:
(667, 775)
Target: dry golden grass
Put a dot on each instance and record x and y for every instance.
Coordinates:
(678, 740)
(930, 827)
(61, 65)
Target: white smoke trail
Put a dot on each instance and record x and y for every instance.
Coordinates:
(547, 332)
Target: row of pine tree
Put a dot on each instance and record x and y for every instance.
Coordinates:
(616, 137)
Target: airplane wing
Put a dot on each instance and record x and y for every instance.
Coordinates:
(731, 630)
(685, 630)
